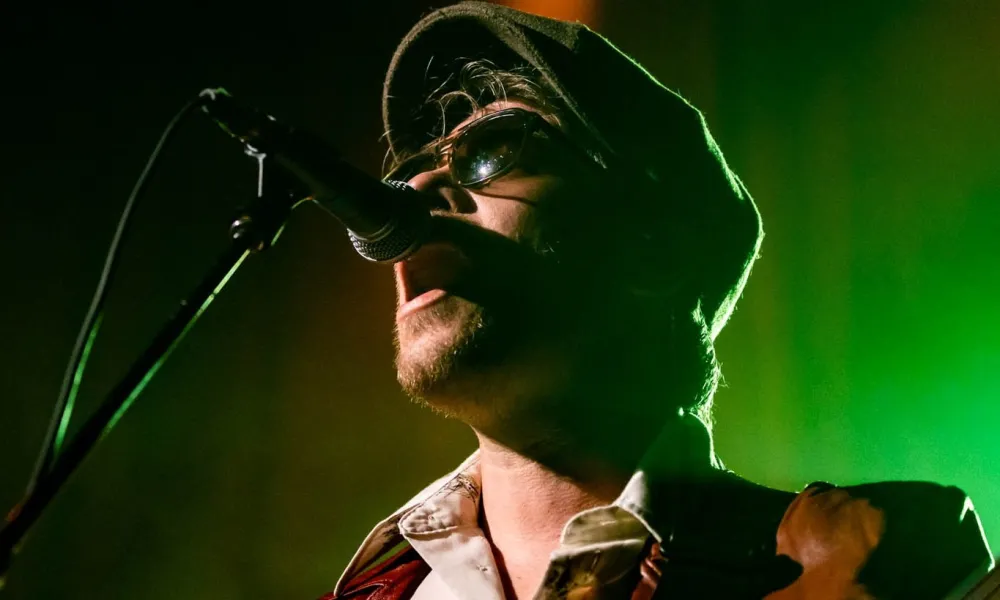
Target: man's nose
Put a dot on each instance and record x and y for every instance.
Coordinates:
(441, 192)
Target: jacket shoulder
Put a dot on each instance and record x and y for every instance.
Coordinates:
(900, 539)
(932, 541)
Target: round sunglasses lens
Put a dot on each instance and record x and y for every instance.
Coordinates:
(487, 149)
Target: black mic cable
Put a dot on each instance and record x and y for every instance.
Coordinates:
(73, 375)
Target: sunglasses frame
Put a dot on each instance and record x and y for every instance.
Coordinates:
(443, 148)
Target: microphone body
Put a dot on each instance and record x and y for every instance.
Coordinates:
(386, 221)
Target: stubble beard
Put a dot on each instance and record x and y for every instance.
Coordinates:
(499, 362)
(485, 366)
(440, 350)
(496, 372)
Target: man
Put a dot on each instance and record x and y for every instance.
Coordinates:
(589, 245)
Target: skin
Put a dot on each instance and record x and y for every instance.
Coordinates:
(525, 353)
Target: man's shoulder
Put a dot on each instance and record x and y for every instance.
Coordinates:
(918, 520)
(925, 538)
(915, 509)
(910, 539)
(906, 539)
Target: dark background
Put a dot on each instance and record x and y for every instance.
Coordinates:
(865, 347)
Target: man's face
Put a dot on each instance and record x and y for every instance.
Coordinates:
(482, 323)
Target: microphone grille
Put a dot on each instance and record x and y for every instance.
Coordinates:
(405, 233)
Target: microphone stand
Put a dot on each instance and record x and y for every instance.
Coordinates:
(255, 229)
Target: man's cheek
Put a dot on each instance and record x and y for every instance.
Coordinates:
(511, 219)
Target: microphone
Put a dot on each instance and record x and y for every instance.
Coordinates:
(387, 221)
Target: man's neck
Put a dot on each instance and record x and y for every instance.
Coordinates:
(524, 508)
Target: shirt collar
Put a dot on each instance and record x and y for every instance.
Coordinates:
(679, 451)
(385, 536)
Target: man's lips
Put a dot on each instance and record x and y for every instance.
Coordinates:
(421, 301)
(429, 275)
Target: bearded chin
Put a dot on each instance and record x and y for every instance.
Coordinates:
(442, 352)
(485, 360)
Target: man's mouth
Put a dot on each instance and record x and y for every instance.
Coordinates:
(422, 301)
(429, 276)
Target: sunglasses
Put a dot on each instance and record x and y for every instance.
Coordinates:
(486, 148)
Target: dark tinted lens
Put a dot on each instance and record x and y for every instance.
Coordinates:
(488, 148)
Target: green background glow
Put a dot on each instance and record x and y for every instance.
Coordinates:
(866, 346)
